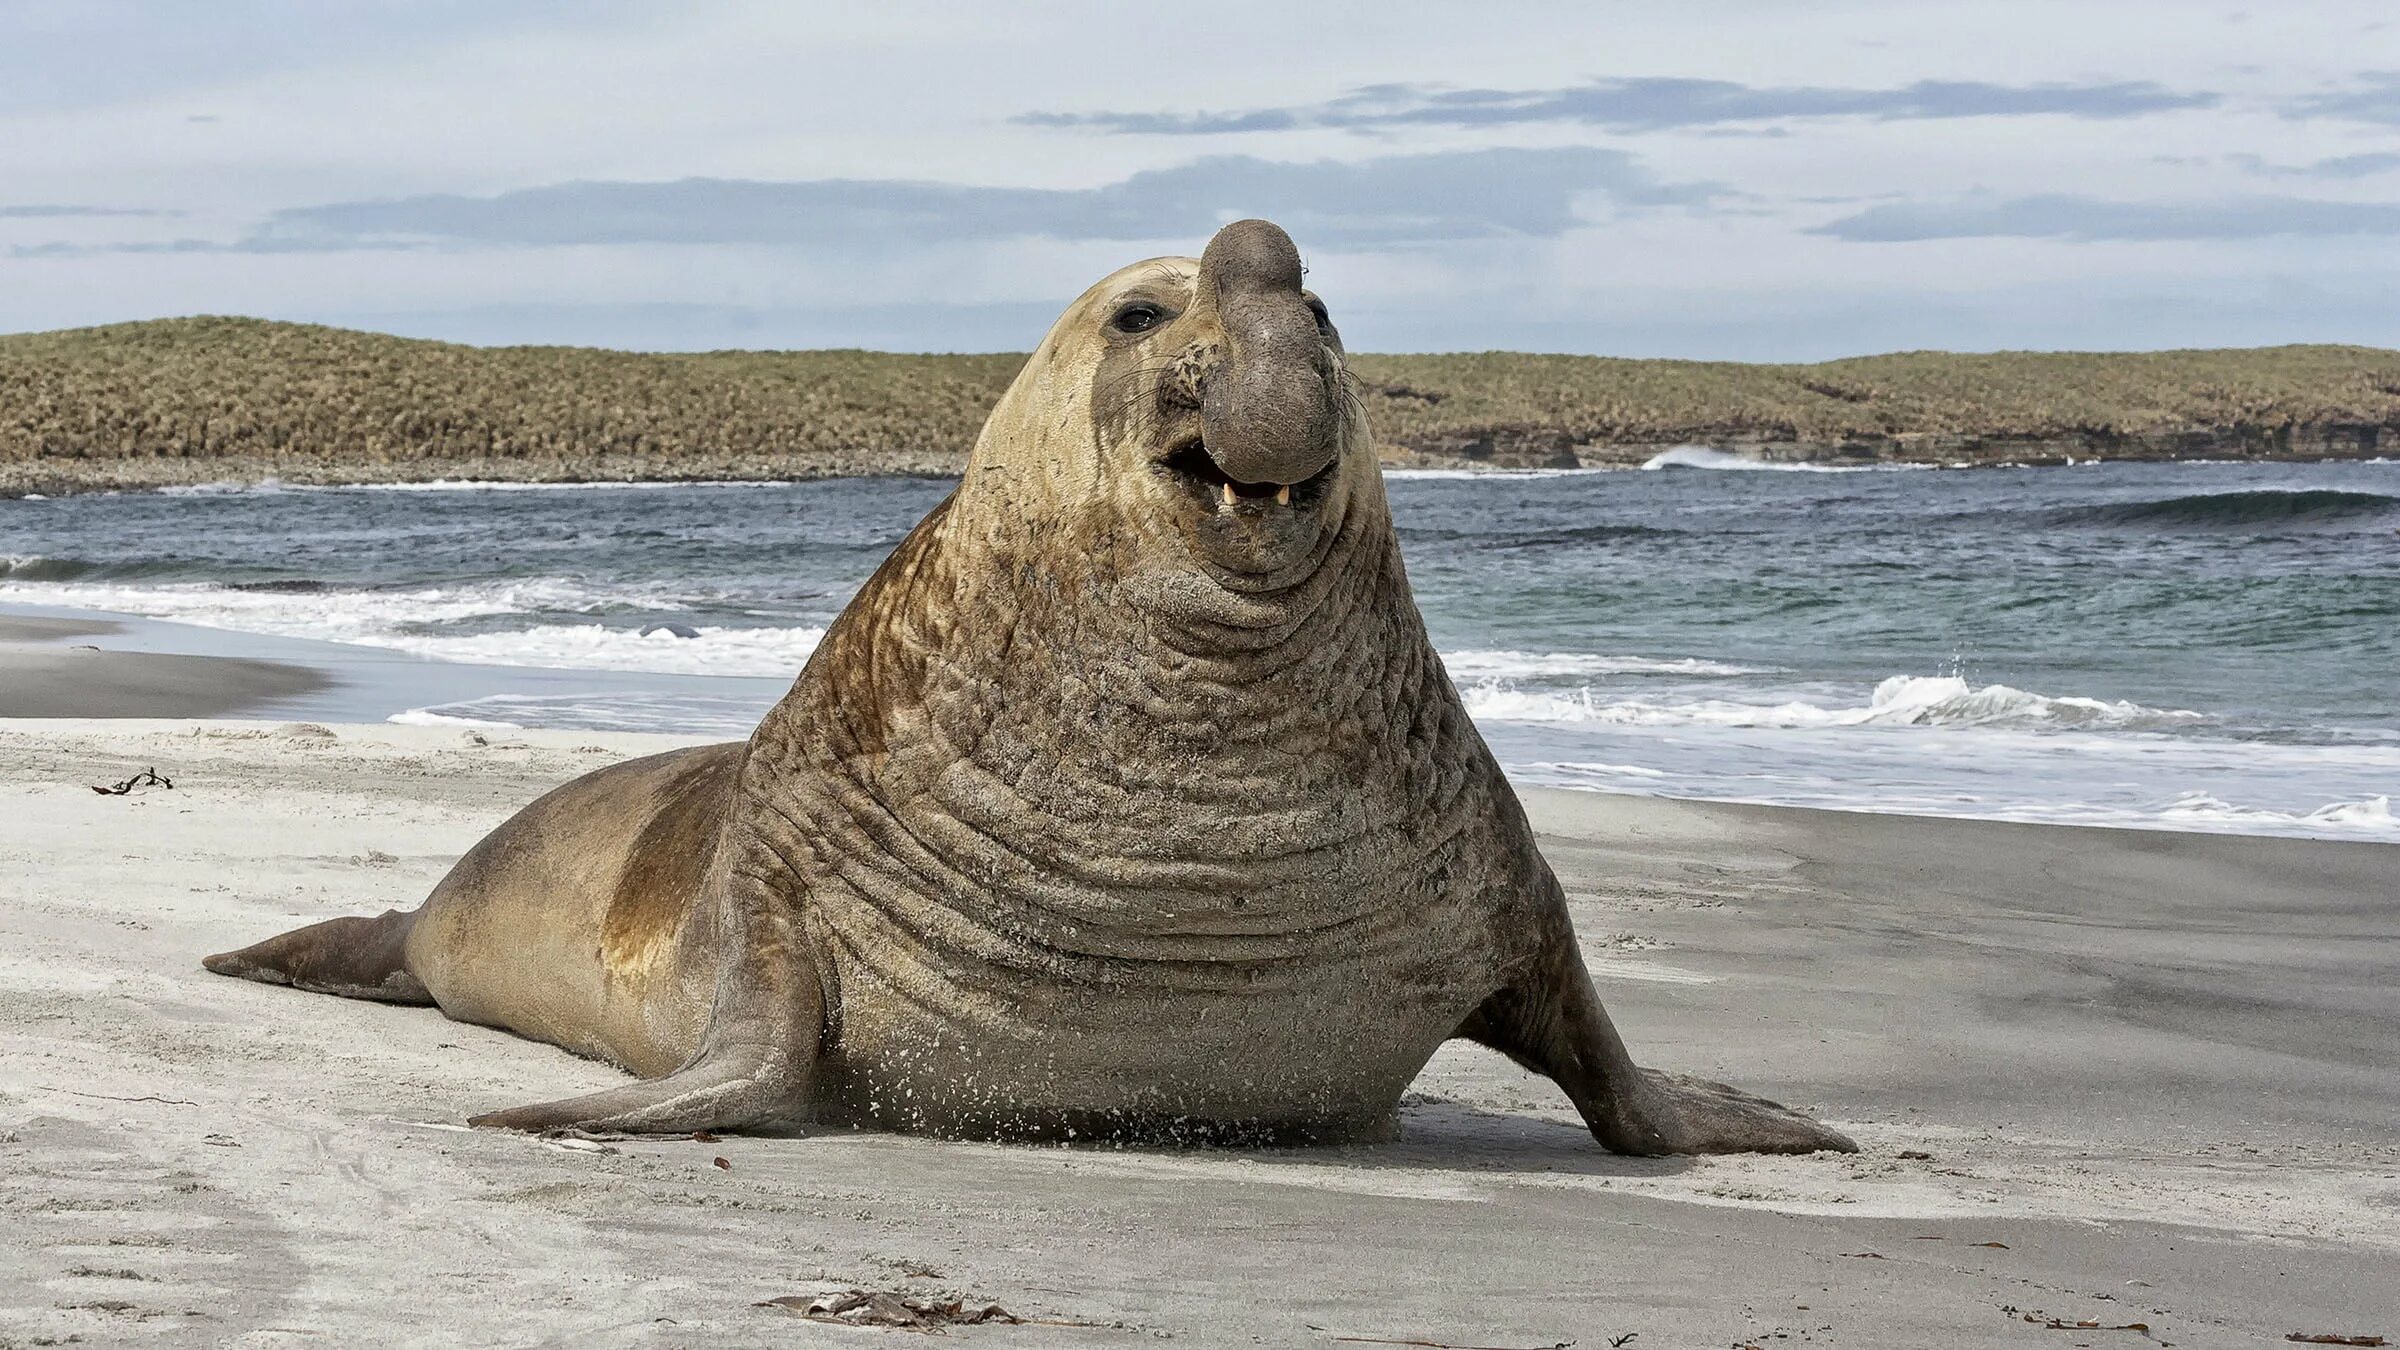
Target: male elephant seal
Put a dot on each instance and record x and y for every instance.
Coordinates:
(1128, 798)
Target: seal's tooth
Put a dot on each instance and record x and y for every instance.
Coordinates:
(1283, 495)
(1229, 494)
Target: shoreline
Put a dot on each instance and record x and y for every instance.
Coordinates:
(2102, 1075)
(37, 480)
(52, 668)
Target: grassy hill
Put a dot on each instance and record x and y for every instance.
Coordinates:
(182, 400)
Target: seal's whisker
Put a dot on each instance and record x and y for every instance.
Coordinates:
(1115, 384)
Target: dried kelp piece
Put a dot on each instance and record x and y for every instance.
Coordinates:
(2079, 1324)
(146, 778)
(1453, 1346)
(882, 1308)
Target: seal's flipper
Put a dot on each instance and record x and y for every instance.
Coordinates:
(1553, 1024)
(755, 1066)
(354, 957)
(749, 1085)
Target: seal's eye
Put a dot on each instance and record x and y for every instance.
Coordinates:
(1324, 318)
(1139, 316)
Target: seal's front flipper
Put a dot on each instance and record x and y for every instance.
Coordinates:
(756, 1061)
(355, 958)
(1715, 1118)
(1553, 1024)
(746, 1085)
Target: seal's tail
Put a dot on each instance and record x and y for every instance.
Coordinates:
(355, 958)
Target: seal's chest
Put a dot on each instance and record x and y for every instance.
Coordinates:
(979, 1048)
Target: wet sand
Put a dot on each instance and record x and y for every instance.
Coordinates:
(2117, 1076)
(62, 668)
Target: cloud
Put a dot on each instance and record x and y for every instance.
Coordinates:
(922, 325)
(2375, 99)
(2064, 216)
(76, 212)
(2338, 168)
(1402, 200)
(76, 56)
(1649, 104)
(66, 248)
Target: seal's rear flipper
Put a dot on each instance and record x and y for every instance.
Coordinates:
(355, 958)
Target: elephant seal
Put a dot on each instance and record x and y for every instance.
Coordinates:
(1128, 798)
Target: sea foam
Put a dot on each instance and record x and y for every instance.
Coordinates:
(2370, 815)
(709, 651)
(1503, 664)
(413, 620)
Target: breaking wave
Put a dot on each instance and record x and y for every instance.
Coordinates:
(661, 649)
(1710, 457)
(597, 484)
(2229, 510)
(333, 614)
(1487, 665)
(1473, 474)
(663, 710)
(15, 569)
(2200, 810)
(458, 623)
(1902, 700)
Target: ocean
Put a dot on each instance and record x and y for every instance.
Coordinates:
(2181, 646)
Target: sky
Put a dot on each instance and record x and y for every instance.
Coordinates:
(1760, 180)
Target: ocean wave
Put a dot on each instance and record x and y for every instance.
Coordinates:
(1471, 475)
(44, 569)
(2229, 510)
(2370, 815)
(427, 717)
(1581, 534)
(220, 489)
(1902, 700)
(272, 486)
(38, 568)
(1710, 457)
(413, 621)
(627, 710)
(505, 485)
(1502, 539)
(1502, 664)
(336, 614)
(1568, 773)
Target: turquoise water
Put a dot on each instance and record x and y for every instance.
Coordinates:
(2192, 645)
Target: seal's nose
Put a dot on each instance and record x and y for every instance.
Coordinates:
(1268, 412)
(1252, 255)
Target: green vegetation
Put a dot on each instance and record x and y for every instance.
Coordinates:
(192, 399)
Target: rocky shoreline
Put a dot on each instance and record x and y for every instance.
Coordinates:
(2336, 441)
(65, 476)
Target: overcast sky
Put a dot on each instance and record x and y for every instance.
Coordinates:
(1755, 181)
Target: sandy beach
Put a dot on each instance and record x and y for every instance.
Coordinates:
(2099, 1075)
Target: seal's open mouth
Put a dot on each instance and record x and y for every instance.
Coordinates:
(1190, 465)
